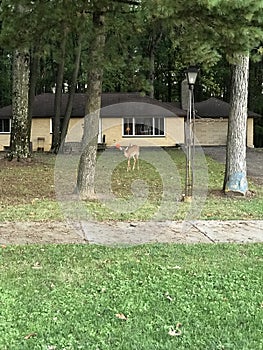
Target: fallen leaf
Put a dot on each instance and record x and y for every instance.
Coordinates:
(37, 266)
(3, 246)
(121, 316)
(175, 332)
(167, 296)
(30, 335)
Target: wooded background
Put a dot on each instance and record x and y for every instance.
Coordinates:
(148, 46)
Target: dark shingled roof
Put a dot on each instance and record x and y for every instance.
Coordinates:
(215, 108)
(113, 105)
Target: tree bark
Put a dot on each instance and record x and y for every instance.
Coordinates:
(151, 70)
(34, 64)
(154, 40)
(87, 164)
(20, 140)
(58, 95)
(236, 171)
(71, 91)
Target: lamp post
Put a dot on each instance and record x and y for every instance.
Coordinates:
(191, 75)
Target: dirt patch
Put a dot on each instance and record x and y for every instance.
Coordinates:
(38, 232)
(23, 182)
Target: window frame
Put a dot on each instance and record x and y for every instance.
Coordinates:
(2, 122)
(133, 122)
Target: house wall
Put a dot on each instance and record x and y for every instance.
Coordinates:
(174, 133)
(75, 130)
(112, 129)
(211, 132)
(40, 134)
(250, 132)
(4, 140)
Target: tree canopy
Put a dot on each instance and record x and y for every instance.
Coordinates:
(181, 33)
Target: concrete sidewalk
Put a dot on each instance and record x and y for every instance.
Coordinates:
(130, 233)
(173, 232)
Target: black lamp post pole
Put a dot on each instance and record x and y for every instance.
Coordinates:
(189, 136)
(189, 149)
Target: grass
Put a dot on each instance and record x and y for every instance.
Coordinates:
(28, 191)
(146, 297)
(163, 296)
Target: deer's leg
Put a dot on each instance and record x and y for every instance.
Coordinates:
(129, 164)
(134, 162)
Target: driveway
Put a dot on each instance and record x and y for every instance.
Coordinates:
(254, 160)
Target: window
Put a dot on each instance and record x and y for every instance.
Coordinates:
(148, 126)
(5, 125)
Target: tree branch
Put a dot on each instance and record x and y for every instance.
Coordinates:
(128, 2)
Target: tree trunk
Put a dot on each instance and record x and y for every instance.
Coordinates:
(152, 46)
(151, 70)
(32, 88)
(235, 172)
(58, 95)
(170, 78)
(87, 164)
(71, 91)
(19, 140)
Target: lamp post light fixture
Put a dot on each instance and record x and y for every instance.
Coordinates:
(191, 75)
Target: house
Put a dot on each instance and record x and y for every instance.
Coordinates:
(212, 123)
(124, 117)
(128, 118)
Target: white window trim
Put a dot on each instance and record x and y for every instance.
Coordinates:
(143, 136)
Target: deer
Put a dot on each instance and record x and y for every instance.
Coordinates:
(131, 151)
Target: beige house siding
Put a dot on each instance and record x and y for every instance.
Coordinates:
(174, 130)
(75, 130)
(41, 136)
(250, 132)
(112, 129)
(211, 132)
(4, 140)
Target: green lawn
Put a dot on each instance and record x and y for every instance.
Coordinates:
(146, 297)
(28, 192)
(69, 297)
